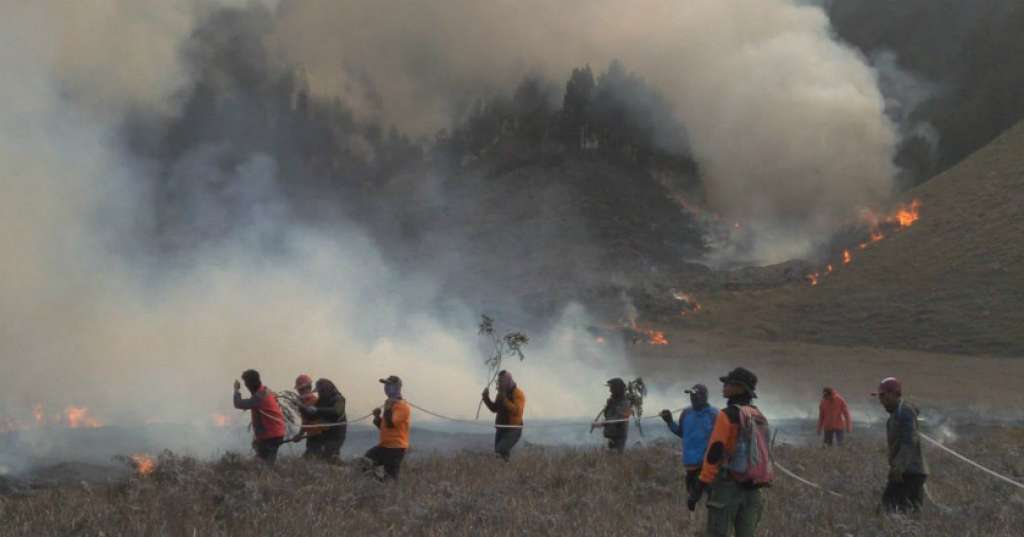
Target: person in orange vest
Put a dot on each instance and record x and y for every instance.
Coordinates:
(309, 432)
(508, 406)
(393, 423)
(736, 465)
(833, 417)
(268, 427)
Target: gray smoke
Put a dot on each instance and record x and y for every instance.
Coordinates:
(788, 125)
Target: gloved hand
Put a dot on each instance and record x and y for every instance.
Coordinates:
(485, 394)
(376, 412)
(698, 491)
(309, 410)
(666, 415)
(238, 385)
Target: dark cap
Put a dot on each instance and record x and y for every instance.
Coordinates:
(392, 380)
(889, 385)
(616, 382)
(743, 377)
(699, 389)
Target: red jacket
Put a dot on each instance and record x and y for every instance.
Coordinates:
(833, 414)
(267, 418)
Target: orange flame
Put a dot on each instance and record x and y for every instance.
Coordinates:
(221, 420)
(847, 257)
(656, 337)
(813, 278)
(79, 418)
(908, 214)
(828, 269)
(39, 414)
(144, 464)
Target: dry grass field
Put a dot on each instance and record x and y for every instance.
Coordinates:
(543, 491)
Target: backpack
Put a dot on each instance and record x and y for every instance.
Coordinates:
(751, 461)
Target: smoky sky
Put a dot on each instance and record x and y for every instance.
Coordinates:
(152, 254)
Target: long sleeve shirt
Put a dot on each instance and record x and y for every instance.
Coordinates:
(508, 407)
(394, 424)
(904, 442)
(834, 414)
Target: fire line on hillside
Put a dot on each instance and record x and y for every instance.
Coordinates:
(880, 227)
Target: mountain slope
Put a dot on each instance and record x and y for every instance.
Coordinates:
(954, 282)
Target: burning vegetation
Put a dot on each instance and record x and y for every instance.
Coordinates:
(878, 228)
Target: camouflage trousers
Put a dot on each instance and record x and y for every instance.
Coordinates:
(733, 508)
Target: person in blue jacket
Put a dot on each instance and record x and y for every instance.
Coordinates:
(694, 428)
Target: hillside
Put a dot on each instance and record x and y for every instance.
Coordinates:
(953, 282)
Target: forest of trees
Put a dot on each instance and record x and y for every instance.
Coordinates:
(614, 114)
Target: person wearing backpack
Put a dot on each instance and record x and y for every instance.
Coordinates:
(694, 428)
(737, 464)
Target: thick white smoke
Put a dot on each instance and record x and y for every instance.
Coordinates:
(85, 321)
(788, 124)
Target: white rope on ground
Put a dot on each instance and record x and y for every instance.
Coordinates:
(806, 482)
(989, 471)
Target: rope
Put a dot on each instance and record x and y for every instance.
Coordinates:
(620, 420)
(988, 471)
(806, 482)
(500, 426)
(460, 420)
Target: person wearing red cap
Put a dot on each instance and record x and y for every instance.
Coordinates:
(833, 417)
(309, 432)
(908, 470)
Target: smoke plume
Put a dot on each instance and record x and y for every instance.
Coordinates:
(788, 126)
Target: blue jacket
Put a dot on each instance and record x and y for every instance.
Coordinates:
(694, 428)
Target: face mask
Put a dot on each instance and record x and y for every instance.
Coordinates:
(393, 391)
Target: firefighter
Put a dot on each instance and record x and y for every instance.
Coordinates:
(268, 427)
(617, 410)
(329, 410)
(833, 417)
(508, 405)
(908, 471)
(393, 423)
(733, 474)
(694, 429)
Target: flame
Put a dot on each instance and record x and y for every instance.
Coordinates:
(813, 278)
(847, 257)
(656, 337)
(908, 214)
(144, 464)
(599, 339)
(828, 269)
(79, 418)
(221, 420)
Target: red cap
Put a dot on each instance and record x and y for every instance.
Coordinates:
(303, 380)
(890, 385)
